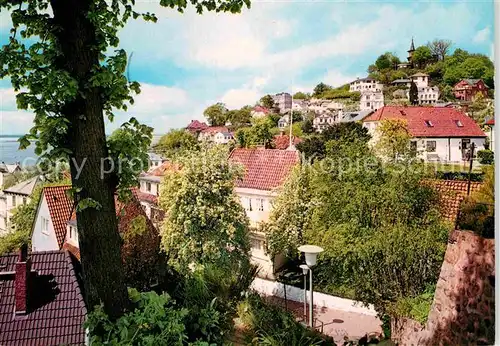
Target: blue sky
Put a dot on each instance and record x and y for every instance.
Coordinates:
(186, 62)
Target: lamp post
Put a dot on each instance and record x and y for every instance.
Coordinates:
(305, 268)
(311, 254)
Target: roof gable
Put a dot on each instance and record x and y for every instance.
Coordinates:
(25, 187)
(265, 169)
(55, 319)
(60, 208)
(443, 119)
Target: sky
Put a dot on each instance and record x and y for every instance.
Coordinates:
(186, 62)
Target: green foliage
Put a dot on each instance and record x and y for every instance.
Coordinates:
(239, 117)
(176, 142)
(128, 146)
(314, 147)
(261, 133)
(155, 321)
(461, 64)
(204, 221)
(291, 213)
(380, 227)
(267, 324)
(486, 157)
(299, 95)
(480, 109)
(413, 94)
(334, 94)
(417, 307)
(274, 118)
(393, 139)
(320, 89)
(439, 48)
(422, 56)
(307, 126)
(267, 101)
(386, 61)
(216, 114)
(477, 212)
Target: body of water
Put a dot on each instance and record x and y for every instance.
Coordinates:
(10, 153)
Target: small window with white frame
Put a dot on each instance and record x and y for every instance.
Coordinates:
(430, 146)
(260, 204)
(45, 225)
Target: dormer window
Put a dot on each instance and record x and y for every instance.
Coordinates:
(428, 123)
(459, 123)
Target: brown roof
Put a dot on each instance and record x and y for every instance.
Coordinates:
(443, 121)
(283, 141)
(145, 197)
(60, 207)
(163, 168)
(196, 125)
(215, 129)
(56, 311)
(265, 169)
(452, 193)
(75, 251)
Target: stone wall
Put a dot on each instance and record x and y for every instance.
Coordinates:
(463, 311)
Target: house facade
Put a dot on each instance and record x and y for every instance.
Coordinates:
(321, 122)
(14, 196)
(208, 134)
(154, 160)
(371, 100)
(265, 171)
(223, 137)
(467, 89)
(490, 124)
(438, 134)
(365, 84)
(259, 112)
(196, 126)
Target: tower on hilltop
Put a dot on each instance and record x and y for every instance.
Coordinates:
(410, 52)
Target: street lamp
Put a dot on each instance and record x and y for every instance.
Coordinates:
(311, 254)
(305, 268)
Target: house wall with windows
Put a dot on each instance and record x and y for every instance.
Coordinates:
(149, 186)
(446, 149)
(44, 236)
(371, 100)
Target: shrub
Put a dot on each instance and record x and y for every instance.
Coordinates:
(474, 176)
(486, 157)
(270, 325)
(417, 307)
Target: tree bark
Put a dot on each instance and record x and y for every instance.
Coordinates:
(99, 240)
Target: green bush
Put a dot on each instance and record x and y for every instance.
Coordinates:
(474, 176)
(486, 157)
(268, 324)
(417, 307)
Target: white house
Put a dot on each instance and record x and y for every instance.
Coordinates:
(371, 100)
(208, 134)
(55, 226)
(155, 160)
(259, 112)
(324, 120)
(428, 95)
(222, 137)
(12, 197)
(7, 169)
(490, 123)
(439, 134)
(365, 84)
(265, 171)
(284, 121)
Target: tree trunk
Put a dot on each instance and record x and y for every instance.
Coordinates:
(99, 240)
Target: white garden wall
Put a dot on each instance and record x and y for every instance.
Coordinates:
(274, 288)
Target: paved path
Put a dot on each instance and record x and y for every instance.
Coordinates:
(336, 323)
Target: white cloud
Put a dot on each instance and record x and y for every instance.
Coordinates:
(482, 35)
(237, 98)
(159, 98)
(335, 78)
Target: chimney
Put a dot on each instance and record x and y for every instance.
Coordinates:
(21, 284)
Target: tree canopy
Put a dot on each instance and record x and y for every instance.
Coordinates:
(176, 142)
(267, 101)
(216, 114)
(205, 222)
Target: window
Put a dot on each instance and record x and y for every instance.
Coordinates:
(428, 123)
(148, 187)
(368, 104)
(45, 225)
(431, 146)
(13, 201)
(459, 123)
(24, 200)
(413, 146)
(250, 204)
(256, 244)
(260, 204)
(70, 232)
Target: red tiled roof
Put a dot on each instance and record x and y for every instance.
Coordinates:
(145, 197)
(283, 141)
(196, 125)
(164, 167)
(75, 251)
(490, 121)
(443, 120)
(261, 109)
(215, 129)
(265, 169)
(56, 314)
(60, 207)
(451, 194)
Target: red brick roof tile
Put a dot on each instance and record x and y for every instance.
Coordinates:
(60, 208)
(443, 119)
(196, 125)
(52, 319)
(145, 197)
(265, 169)
(451, 194)
(75, 251)
(490, 121)
(282, 142)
